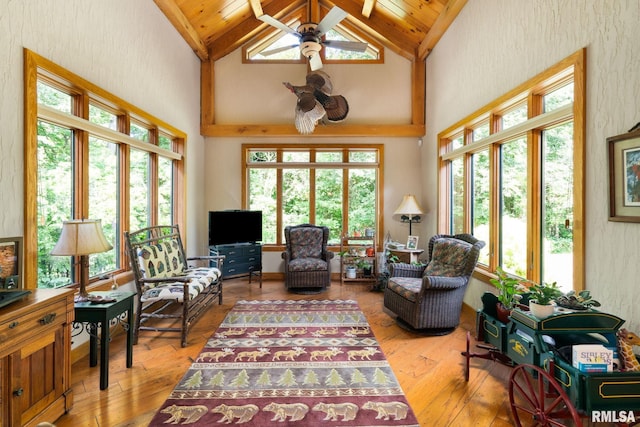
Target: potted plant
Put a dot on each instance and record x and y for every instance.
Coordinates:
(365, 266)
(509, 293)
(350, 271)
(541, 297)
(577, 301)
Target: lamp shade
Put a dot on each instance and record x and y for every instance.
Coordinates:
(409, 206)
(81, 237)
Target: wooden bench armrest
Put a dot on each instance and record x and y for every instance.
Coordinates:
(205, 257)
(183, 279)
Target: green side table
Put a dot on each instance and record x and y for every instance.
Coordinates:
(89, 316)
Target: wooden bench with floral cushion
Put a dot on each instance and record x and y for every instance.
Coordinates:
(165, 280)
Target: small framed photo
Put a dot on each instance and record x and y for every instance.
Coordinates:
(412, 242)
(624, 177)
(10, 263)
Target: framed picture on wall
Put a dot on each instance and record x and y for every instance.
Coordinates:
(624, 177)
(10, 263)
(412, 242)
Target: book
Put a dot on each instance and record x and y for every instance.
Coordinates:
(592, 358)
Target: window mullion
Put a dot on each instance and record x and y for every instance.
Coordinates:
(534, 204)
(312, 187)
(279, 202)
(494, 214)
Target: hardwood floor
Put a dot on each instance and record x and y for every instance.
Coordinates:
(429, 369)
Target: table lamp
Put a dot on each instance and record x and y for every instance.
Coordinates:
(80, 238)
(410, 208)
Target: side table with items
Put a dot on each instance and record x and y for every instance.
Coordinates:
(358, 259)
(99, 311)
(409, 256)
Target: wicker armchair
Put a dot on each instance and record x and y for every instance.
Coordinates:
(429, 297)
(307, 262)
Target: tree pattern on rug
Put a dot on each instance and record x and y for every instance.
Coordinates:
(301, 363)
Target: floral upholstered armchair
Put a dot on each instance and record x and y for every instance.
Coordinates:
(429, 297)
(307, 262)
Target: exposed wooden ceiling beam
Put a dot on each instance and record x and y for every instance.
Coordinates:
(186, 30)
(330, 130)
(367, 8)
(439, 27)
(392, 32)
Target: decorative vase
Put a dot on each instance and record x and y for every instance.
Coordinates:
(350, 272)
(367, 271)
(502, 312)
(541, 311)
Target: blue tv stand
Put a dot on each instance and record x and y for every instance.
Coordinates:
(241, 259)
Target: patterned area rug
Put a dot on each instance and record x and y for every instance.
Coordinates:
(294, 363)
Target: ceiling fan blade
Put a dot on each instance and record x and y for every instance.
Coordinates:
(346, 45)
(275, 23)
(331, 19)
(315, 62)
(278, 50)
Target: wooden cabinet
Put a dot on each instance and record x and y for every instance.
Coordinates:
(241, 259)
(358, 252)
(35, 362)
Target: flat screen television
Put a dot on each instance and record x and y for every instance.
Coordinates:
(234, 226)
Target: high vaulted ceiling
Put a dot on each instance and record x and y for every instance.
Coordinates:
(215, 28)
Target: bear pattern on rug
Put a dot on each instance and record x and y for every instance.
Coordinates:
(297, 363)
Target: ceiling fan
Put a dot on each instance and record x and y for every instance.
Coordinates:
(310, 37)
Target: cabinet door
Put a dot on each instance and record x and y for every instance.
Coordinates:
(37, 376)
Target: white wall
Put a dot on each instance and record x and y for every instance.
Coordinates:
(493, 46)
(254, 94)
(126, 47)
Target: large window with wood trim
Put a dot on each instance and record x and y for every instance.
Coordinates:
(334, 185)
(89, 154)
(512, 174)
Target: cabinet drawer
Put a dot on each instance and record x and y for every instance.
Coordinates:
(254, 260)
(253, 250)
(232, 270)
(229, 262)
(231, 252)
(19, 330)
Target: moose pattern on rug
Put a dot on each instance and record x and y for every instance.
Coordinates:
(294, 363)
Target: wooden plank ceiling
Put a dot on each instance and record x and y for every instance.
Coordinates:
(410, 28)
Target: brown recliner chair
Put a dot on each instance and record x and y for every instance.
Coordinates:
(307, 262)
(429, 297)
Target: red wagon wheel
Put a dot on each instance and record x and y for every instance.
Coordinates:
(467, 355)
(538, 400)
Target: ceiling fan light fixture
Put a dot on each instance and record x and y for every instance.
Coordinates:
(307, 28)
(310, 49)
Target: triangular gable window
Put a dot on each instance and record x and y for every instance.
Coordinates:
(278, 41)
(371, 54)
